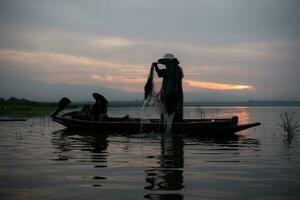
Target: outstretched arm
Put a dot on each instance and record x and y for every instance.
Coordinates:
(160, 72)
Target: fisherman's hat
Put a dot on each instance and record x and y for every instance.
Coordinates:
(99, 97)
(167, 58)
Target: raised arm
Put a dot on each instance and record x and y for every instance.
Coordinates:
(160, 72)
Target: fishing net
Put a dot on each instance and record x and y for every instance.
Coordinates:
(152, 90)
(153, 96)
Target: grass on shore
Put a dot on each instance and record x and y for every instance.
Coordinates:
(27, 110)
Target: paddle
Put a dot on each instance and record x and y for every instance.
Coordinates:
(61, 105)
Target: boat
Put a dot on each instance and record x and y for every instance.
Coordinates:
(128, 125)
(134, 125)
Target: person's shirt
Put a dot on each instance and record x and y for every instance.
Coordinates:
(99, 108)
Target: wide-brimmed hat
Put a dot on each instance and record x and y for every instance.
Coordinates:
(99, 97)
(167, 58)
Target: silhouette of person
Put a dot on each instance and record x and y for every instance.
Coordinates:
(171, 90)
(99, 109)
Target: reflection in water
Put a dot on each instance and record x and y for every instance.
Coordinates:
(169, 175)
(167, 180)
(220, 112)
(36, 163)
(164, 196)
(289, 144)
(69, 142)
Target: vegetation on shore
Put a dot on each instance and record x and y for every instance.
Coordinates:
(14, 107)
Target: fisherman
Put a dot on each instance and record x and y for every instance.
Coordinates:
(99, 109)
(85, 113)
(171, 94)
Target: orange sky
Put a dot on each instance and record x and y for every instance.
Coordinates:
(130, 78)
(222, 47)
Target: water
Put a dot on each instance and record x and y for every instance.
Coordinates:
(143, 116)
(168, 120)
(40, 159)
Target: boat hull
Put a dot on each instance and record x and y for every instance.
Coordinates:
(132, 126)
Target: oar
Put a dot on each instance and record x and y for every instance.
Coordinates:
(61, 105)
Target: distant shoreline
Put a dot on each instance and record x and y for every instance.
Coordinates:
(212, 104)
(135, 103)
(26, 108)
(249, 104)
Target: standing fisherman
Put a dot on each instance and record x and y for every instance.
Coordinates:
(171, 95)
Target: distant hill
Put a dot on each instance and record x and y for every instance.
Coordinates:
(46, 92)
(40, 91)
(245, 103)
(135, 103)
(13, 101)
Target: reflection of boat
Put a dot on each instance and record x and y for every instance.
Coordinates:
(194, 126)
(133, 125)
(69, 140)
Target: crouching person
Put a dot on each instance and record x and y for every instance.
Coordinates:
(99, 109)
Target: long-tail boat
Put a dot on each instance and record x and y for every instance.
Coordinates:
(128, 125)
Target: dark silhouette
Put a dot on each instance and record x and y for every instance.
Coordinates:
(169, 175)
(171, 91)
(96, 112)
(82, 146)
(99, 109)
(149, 84)
(61, 105)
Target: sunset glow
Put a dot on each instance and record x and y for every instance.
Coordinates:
(110, 42)
(217, 86)
(119, 79)
(124, 77)
(225, 52)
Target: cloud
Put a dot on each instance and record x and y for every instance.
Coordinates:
(121, 79)
(44, 58)
(136, 84)
(216, 42)
(121, 82)
(217, 86)
(125, 77)
(116, 46)
(112, 42)
(56, 67)
(60, 56)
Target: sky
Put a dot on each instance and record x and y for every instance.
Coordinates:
(228, 49)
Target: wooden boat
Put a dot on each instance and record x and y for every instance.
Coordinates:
(189, 126)
(133, 125)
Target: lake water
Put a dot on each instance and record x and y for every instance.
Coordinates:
(39, 159)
